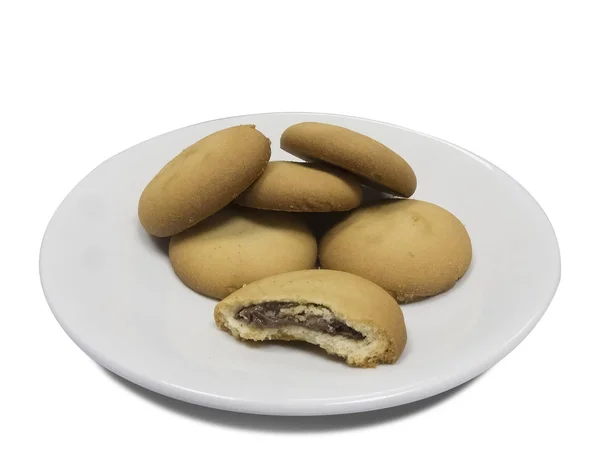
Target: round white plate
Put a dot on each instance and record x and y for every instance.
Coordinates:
(111, 287)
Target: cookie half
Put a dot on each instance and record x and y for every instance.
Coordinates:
(373, 162)
(237, 246)
(411, 248)
(342, 313)
(302, 187)
(202, 179)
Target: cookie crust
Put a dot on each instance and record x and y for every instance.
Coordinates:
(239, 245)
(411, 248)
(302, 187)
(202, 179)
(376, 164)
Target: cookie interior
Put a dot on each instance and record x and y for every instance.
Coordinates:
(359, 344)
(311, 316)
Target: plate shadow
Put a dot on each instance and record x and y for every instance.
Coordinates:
(285, 424)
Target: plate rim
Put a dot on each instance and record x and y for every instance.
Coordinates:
(425, 388)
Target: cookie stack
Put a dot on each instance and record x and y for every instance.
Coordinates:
(239, 232)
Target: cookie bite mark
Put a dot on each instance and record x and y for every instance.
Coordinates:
(344, 314)
(277, 314)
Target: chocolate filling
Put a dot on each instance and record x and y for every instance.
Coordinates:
(270, 315)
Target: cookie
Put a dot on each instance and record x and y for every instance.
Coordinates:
(373, 162)
(411, 248)
(202, 179)
(342, 313)
(302, 187)
(239, 245)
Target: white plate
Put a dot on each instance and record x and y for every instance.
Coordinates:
(111, 288)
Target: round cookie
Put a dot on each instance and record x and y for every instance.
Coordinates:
(413, 249)
(305, 187)
(202, 179)
(239, 245)
(376, 164)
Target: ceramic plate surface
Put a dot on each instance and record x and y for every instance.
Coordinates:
(111, 287)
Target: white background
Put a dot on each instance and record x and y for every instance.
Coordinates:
(516, 82)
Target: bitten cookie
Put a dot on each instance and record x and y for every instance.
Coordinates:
(303, 187)
(411, 248)
(202, 179)
(376, 164)
(342, 313)
(239, 245)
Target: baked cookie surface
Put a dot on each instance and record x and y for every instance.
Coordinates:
(239, 245)
(373, 162)
(411, 248)
(302, 187)
(342, 313)
(202, 179)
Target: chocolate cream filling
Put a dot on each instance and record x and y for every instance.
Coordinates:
(311, 316)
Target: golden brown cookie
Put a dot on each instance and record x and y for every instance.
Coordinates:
(376, 164)
(413, 249)
(202, 179)
(302, 187)
(239, 245)
(342, 313)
